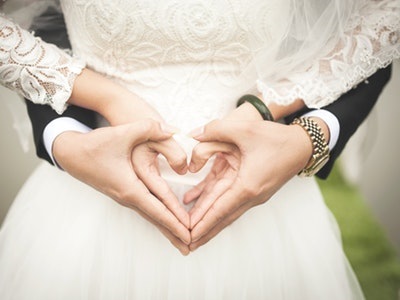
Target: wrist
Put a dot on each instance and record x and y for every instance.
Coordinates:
(63, 145)
(245, 112)
(127, 108)
(320, 149)
(114, 102)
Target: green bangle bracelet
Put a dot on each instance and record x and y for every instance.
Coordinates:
(258, 104)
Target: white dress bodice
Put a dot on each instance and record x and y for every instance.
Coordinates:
(183, 57)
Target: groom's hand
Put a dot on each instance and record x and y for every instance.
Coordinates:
(262, 157)
(102, 159)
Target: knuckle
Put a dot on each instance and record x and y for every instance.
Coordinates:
(214, 124)
(178, 159)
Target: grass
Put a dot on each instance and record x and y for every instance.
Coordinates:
(373, 258)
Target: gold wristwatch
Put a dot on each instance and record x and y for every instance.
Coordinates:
(320, 155)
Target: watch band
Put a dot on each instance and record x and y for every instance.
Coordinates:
(320, 154)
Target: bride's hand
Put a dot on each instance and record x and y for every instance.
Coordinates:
(270, 154)
(102, 159)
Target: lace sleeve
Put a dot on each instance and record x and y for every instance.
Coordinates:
(372, 41)
(38, 71)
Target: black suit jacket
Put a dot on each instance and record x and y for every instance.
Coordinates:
(351, 109)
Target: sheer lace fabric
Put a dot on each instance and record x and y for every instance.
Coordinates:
(38, 71)
(371, 41)
(219, 36)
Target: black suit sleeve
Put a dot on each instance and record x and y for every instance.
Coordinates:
(41, 115)
(351, 109)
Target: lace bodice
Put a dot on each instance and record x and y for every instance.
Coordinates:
(186, 49)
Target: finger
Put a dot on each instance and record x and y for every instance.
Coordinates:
(218, 181)
(160, 213)
(144, 130)
(224, 206)
(174, 154)
(221, 131)
(197, 190)
(194, 192)
(157, 211)
(202, 152)
(146, 169)
(212, 192)
(182, 247)
(218, 228)
(157, 185)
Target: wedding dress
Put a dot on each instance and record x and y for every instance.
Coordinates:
(64, 240)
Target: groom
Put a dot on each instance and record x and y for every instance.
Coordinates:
(342, 117)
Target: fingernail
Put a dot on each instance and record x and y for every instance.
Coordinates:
(169, 128)
(196, 132)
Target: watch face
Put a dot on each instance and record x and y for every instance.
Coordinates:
(319, 164)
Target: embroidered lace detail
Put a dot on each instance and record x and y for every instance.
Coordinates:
(372, 41)
(38, 71)
(121, 40)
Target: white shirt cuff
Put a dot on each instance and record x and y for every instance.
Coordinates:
(58, 126)
(331, 121)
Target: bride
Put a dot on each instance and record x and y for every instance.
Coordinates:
(190, 62)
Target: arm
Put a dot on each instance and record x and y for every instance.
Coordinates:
(351, 109)
(41, 116)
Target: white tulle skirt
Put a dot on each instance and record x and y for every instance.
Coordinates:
(64, 240)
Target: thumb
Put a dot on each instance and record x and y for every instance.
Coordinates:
(202, 152)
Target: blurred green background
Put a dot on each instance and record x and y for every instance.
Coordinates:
(371, 255)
